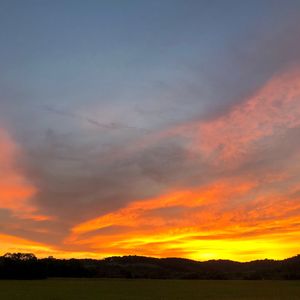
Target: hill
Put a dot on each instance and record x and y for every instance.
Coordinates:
(27, 266)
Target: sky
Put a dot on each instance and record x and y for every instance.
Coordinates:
(160, 128)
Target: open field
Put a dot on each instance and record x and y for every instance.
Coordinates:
(110, 289)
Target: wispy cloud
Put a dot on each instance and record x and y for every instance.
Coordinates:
(105, 126)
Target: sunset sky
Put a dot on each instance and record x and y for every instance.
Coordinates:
(160, 128)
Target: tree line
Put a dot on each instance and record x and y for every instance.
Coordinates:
(28, 266)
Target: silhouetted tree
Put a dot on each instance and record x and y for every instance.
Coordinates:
(27, 266)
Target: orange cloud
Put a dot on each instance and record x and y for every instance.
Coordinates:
(10, 243)
(213, 221)
(16, 191)
(272, 110)
(135, 212)
(238, 217)
(210, 222)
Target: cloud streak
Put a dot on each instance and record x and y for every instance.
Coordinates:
(106, 126)
(16, 192)
(240, 206)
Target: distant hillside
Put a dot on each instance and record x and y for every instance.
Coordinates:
(27, 266)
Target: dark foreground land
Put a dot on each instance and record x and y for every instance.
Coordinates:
(137, 289)
(27, 266)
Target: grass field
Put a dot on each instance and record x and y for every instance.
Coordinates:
(62, 289)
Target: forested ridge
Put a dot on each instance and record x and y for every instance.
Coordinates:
(28, 266)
